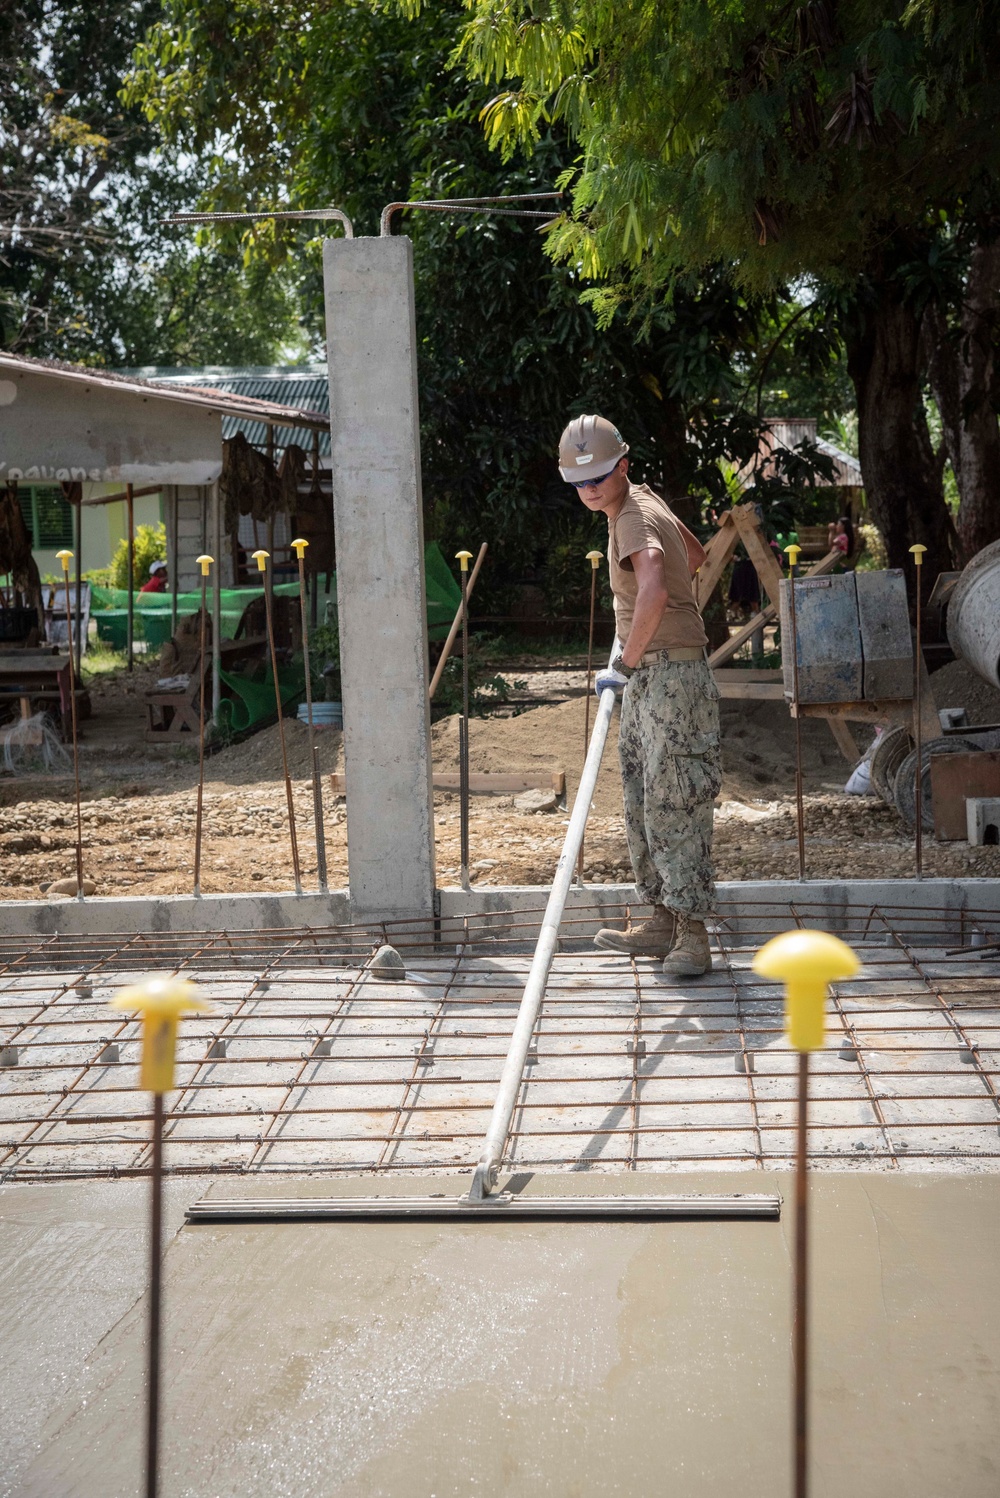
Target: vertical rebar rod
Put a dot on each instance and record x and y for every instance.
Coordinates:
(281, 736)
(155, 1271)
(917, 734)
(79, 587)
(216, 605)
(313, 748)
(175, 571)
(463, 735)
(130, 617)
(75, 735)
(800, 1331)
(800, 820)
(590, 676)
(202, 666)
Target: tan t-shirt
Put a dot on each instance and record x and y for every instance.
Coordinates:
(646, 523)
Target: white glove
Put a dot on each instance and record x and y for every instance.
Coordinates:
(607, 678)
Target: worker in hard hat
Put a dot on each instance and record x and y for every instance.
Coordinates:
(157, 578)
(669, 738)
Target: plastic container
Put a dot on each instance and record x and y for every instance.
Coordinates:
(325, 714)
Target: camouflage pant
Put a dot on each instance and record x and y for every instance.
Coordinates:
(671, 773)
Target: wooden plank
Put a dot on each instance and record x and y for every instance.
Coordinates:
(728, 650)
(751, 673)
(754, 691)
(752, 535)
(858, 712)
(845, 739)
(24, 737)
(717, 556)
(953, 778)
(751, 685)
(481, 783)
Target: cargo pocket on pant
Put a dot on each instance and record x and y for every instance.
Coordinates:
(702, 728)
(699, 777)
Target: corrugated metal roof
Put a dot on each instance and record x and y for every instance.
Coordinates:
(301, 385)
(789, 431)
(192, 391)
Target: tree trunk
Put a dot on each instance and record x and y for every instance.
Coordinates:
(962, 364)
(902, 479)
(15, 553)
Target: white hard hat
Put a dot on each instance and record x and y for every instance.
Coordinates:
(155, 567)
(589, 448)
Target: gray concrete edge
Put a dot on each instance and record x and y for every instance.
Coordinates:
(825, 899)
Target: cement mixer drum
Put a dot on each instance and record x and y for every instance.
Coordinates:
(974, 614)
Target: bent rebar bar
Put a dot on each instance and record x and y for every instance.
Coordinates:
(485, 1176)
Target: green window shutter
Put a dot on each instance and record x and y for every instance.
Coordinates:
(24, 499)
(53, 517)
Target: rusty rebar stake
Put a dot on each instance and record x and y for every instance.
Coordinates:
(201, 738)
(590, 676)
(261, 559)
(300, 547)
(130, 616)
(463, 731)
(74, 732)
(918, 661)
(155, 1282)
(800, 1333)
(799, 806)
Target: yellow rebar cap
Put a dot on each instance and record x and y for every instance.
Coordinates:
(807, 962)
(917, 553)
(792, 553)
(260, 557)
(463, 558)
(300, 544)
(65, 557)
(595, 558)
(161, 1002)
(204, 562)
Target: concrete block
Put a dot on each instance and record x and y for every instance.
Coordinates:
(381, 604)
(953, 717)
(983, 819)
(827, 637)
(886, 641)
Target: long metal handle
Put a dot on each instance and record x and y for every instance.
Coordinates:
(538, 976)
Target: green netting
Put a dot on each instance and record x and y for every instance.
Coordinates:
(252, 701)
(443, 593)
(152, 612)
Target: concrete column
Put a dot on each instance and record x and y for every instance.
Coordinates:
(378, 520)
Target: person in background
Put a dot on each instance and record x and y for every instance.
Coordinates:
(840, 536)
(157, 578)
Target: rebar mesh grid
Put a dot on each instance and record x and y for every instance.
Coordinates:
(312, 1063)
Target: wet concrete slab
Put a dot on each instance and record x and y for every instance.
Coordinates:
(573, 1359)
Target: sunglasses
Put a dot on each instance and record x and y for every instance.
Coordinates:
(591, 483)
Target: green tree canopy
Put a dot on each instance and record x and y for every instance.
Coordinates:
(853, 144)
(87, 269)
(351, 103)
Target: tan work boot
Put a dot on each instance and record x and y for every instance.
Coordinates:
(689, 956)
(650, 938)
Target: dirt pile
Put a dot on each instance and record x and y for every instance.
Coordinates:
(957, 685)
(259, 757)
(758, 749)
